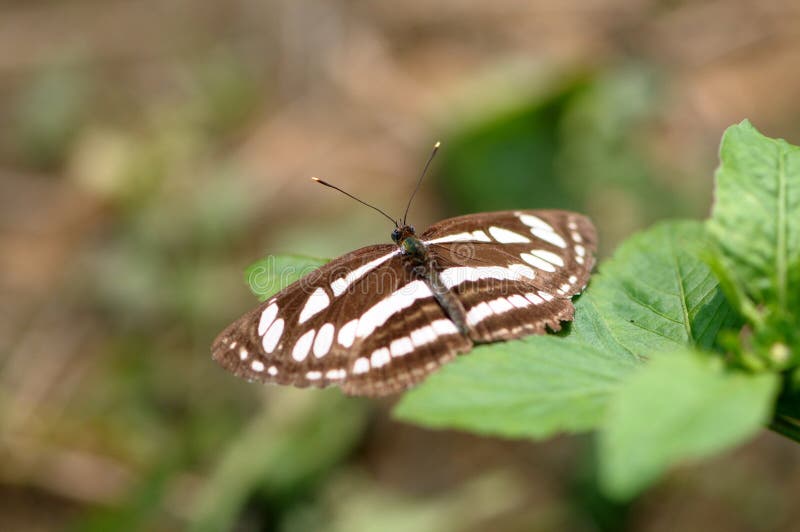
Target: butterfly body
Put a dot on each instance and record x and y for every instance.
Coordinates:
(381, 318)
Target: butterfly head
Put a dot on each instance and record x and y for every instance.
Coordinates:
(401, 233)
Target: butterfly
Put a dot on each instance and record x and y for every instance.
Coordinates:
(380, 319)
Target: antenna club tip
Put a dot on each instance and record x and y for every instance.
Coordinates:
(314, 179)
(438, 143)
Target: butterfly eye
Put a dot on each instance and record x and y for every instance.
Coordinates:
(412, 228)
(396, 235)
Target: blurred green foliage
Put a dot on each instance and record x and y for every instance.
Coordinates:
(578, 146)
(658, 301)
(49, 114)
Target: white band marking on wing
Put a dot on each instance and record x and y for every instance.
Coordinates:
(504, 236)
(342, 283)
(399, 300)
(475, 236)
(361, 365)
(401, 346)
(347, 334)
(542, 229)
(460, 274)
(267, 317)
(335, 374)
(317, 301)
(324, 340)
(273, 336)
(549, 236)
(303, 345)
(380, 357)
(534, 221)
(537, 262)
(549, 256)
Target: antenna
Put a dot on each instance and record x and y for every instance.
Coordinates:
(424, 171)
(321, 182)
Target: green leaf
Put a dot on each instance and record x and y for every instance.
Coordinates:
(756, 217)
(680, 406)
(275, 272)
(654, 293)
(533, 387)
(658, 292)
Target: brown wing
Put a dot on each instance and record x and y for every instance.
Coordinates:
(361, 321)
(514, 272)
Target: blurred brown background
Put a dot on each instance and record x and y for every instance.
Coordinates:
(150, 150)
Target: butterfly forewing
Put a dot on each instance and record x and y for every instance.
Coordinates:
(369, 320)
(514, 271)
(348, 323)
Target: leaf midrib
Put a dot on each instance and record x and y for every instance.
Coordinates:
(679, 278)
(781, 229)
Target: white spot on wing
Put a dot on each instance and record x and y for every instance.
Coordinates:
(347, 334)
(504, 236)
(580, 250)
(533, 298)
(478, 313)
(272, 370)
(549, 236)
(573, 279)
(480, 236)
(380, 357)
(313, 375)
(500, 305)
(267, 317)
(443, 327)
(537, 262)
(397, 301)
(423, 335)
(518, 301)
(542, 229)
(273, 335)
(243, 353)
(317, 301)
(549, 256)
(336, 374)
(257, 365)
(338, 286)
(324, 340)
(401, 346)
(361, 365)
(535, 222)
(303, 345)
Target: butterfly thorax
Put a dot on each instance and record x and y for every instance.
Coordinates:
(424, 266)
